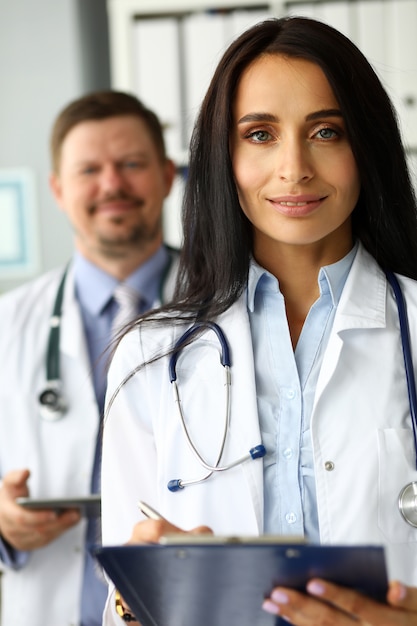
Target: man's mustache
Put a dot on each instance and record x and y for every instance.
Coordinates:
(114, 197)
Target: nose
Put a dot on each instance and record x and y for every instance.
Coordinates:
(294, 161)
(111, 178)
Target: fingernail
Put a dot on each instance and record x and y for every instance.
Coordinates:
(270, 607)
(279, 596)
(315, 588)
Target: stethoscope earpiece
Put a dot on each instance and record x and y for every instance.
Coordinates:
(52, 404)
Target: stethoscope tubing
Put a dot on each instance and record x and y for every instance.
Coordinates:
(406, 347)
(256, 452)
(184, 339)
(202, 461)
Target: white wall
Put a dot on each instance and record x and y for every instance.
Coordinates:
(51, 51)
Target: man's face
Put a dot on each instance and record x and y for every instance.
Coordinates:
(111, 184)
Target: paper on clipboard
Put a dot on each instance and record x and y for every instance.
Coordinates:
(224, 585)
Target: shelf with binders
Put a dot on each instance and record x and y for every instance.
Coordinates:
(165, 51)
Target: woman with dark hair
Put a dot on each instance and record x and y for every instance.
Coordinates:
(298, 202)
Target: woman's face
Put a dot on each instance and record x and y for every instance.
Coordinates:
(296, 177)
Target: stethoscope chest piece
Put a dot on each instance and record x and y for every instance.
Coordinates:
(407, 503)
(52, 404)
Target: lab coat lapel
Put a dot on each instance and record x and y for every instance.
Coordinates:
(362, 305)
(72, 340)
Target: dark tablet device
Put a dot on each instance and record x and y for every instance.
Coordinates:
(89, 506)
(224, 584)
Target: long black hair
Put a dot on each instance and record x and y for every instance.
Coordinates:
(217, 246)
(218, 236)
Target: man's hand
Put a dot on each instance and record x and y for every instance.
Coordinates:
(28, 530)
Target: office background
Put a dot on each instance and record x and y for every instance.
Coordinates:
(164, 50)
(51, 51)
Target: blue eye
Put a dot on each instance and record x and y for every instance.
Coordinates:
(259, 136)
(89, 170)
(327, 133)
(134, 165)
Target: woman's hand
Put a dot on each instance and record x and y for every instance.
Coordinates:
(150, 531)
(327, 604)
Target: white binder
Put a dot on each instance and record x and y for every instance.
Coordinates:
(204, 43)
(157, 74)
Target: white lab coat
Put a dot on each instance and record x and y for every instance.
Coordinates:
(59, 454)
(360, 422)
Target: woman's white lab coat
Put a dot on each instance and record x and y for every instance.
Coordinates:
(361, 428)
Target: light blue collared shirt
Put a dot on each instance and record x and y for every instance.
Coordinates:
(286, 382)
(94, 292)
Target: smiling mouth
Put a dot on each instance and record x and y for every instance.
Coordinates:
(302, 201)
(297, 203)
(297, 208)
(119, 204)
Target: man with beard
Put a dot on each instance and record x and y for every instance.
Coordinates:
(110, 175)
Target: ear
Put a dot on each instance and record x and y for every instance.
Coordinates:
(170, 172)
(56, 188)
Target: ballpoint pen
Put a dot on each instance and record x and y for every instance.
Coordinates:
(149, 511)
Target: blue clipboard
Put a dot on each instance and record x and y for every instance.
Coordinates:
(224, 585)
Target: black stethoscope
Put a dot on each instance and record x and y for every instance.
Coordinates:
(52, 401)
(407, 501)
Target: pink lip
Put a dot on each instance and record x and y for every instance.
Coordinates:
(296, 206)
(115, 206)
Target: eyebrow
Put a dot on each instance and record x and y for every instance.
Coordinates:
(324, 113)
(128, 155)
(268, 117)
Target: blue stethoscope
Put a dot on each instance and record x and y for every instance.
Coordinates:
(407, 501)
(254, 453)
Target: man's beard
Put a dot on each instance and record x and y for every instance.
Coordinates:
(137, 237)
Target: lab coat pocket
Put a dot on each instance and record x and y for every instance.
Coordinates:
(397, 468)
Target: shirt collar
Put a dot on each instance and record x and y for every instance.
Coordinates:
(331, 278)
(94, 287)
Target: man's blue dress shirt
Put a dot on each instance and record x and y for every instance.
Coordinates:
(285, 383)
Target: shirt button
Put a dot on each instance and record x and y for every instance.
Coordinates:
(291, 518)
(290, 394)
(329, 466)
(287, 453)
